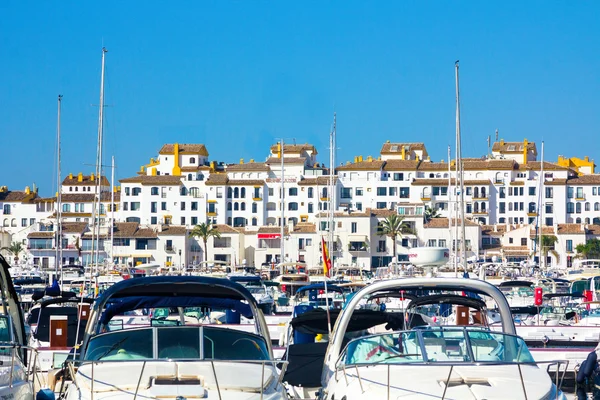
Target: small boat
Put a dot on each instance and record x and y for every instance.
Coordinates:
(175, 358)
(262, 294)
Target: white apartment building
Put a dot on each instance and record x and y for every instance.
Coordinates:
(249, 201)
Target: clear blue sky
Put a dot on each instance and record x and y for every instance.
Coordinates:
(236, 75)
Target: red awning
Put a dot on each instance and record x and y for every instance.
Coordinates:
(269, 235)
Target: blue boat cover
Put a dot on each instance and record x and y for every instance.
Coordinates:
(320, 286)
(122, 305)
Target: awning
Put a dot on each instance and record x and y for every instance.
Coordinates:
(211, 201)
(269, 235)
(357, 238)
(141, 255)
(121, 255)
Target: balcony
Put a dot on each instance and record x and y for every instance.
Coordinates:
(480, 212)
(532, 214)
(325, 198)
(211, 214)
(426, 198)
(580, 198)
(40, 247)
(257, 198)
(480, 198)
(169, 247)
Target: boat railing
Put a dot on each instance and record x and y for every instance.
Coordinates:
(278, 365)
(15, 348)
(559, 372)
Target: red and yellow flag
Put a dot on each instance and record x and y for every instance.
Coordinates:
(326, 259)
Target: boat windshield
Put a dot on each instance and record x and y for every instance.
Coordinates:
(177, 342)
(256, 289)
(450, 345)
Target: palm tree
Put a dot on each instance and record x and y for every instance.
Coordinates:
(393, 226)
(204, 231)
(548, 242)
(591, 249)
(431, 213)
(15, 249)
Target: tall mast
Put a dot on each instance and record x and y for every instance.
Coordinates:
(112, 209)
(96, 205)
(282, 255)
(331, 190)
(58, 262)
(463, 246)
(540, 212)
(450, 205)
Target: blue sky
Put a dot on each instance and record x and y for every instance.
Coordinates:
(236, 75)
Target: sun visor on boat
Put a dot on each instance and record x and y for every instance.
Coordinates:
(315, 321)
(320, 286)
(448, 299)
(139, 302)
(39, 294)
(516, 284)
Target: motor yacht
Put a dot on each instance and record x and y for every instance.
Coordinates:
(175, 358)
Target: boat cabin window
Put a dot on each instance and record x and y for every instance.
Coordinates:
(436, 345)
(177, 342)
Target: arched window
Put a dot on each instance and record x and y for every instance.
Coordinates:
(13, 223)
(596, 206)
(229, 205)
(190, 177)
(229, 192)
(5, 223)
(596, 221)
(578, 208)
(578, 221)
(183, 191)
(243, 206)
(531, 207)
(200, 177)
(6, 209)
(254, 208)
(293, 206)
(587, 206)
(475, 192)
(476, 207)
(482, 206)
(236, 193)
(587, 220)
(254, 221)
(229, 220)
(243, 193)
(236, 206)
(483, 196)
(136, 191)
(239, 221)
(192, 160)
(154, 191)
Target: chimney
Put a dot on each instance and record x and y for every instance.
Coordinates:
(369, 159)
(80, 177)
(360, 158)
(252, 160)
(92, 177)
(501, 142)
(70, 176)
(241, 160)
(27, 190)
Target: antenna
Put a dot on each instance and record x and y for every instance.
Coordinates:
(496, 135)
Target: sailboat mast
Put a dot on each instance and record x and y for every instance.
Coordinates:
(450, 205)
(331, 190)
(540, 213)
(58, 262)
(112, 208)
(96, 205)
(282, 255)
(460, 177)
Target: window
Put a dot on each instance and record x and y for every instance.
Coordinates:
(580, 193)
(153, 220)
(136, 191)
(570, 208)
(381, 191)
(254, 221)
(243, 206)
(183, 206)
(153, 207)
(236, 193)
(381, 205)
(398, 176)
(404, 193)
(194, 206)
(346, 193)
(393, 191)
(502, 220)
(570, 191)
(243, 193)
(127, 191)
(510, 240)
(310, 192)
(469, 208)
(120, 242)
(523, 241)
(310, 208)
(578, 208)
(549, 208)
(229, 192)
(502, 207)
(190, 177)
(532, 190)
(354, 227)
(194, 192)
(293, 191)
(23, 222)
(469, 191)
(229, 206)
(432, 243)
(549, 192)
(381, 246)
(293, 206)
(531, 208)
(594, 191)
(183, 191)
(66, 208)
(359, 206)
(163, 206)
(194, 221)
(596, 206)
(549, 221)
(254, 208)
(271, 192)
(236, 206)
(569, 245)
(587, 206)
(502, 192)
(135, 205)
(358, 191)
(125, 206)
(192, 160)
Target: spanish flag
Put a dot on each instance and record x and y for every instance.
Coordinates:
(326, 259)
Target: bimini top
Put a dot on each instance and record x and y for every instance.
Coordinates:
(174, 291)
(320, 286)
(555, 295)
(448, 299)
(516, 284)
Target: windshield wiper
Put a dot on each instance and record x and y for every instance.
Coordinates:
(113, 347)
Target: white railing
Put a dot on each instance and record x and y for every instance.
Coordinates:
(559, 377)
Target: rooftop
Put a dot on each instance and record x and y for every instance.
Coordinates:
(184, 148)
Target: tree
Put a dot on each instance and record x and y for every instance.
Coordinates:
(15, 249)
(393, 226)
(431, 213)
(548, 243)
(591, 249)
(204, 231)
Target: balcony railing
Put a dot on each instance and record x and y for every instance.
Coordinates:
(169, 247)
(257, 198)
(40, 247)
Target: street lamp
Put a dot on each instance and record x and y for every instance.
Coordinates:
(180, 264)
